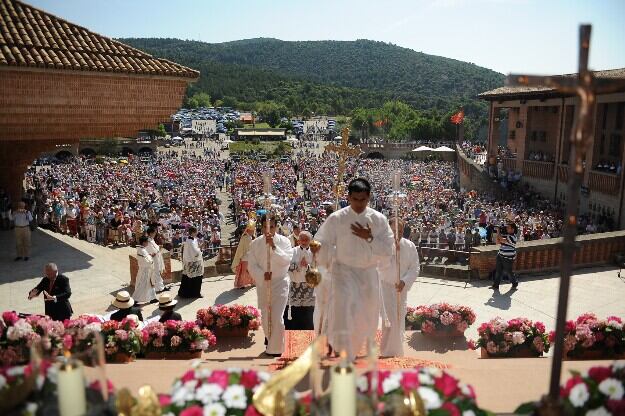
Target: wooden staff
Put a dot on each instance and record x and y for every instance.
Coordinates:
(267, 186)
(396, 186)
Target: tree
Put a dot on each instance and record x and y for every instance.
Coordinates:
(218, 103)
(199, 99)
(271, 112)
(160, 131)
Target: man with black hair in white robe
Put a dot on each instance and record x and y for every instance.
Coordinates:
(281, 254)
(354, 239)
(392, 344)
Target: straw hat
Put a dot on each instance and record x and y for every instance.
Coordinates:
(165, 301)
(123, 300)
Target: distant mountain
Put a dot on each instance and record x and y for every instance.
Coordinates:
(336, 74)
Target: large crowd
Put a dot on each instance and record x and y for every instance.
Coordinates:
(110, 201)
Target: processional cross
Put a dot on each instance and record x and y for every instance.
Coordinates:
(343, 151)
(586, 86)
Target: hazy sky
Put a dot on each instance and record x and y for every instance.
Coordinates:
(536, 36)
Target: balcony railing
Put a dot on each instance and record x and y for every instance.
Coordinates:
(563, 173)
(540, 170)
(509, 163)
(606, 183)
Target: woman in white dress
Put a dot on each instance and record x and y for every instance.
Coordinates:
(159, 264)
(144, 286)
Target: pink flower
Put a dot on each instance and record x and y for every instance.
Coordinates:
(451, 409)
(220, 378)
(10, 317)
(96, 386)
(410, 380)
(164, 400)
(572, 382)
(600, 373)
(121, 334)
(428, 327)
(471, 344)
(68, 342)
(446, 384)
(540, 327)
(617, 407)
(249, 379)
(188, 376)
(251, 411)
(192, 411)
(539, 345)
(175, 341)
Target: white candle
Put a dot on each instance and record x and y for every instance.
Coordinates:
(343, 394)
(71, 389)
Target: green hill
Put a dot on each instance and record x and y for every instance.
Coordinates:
(332, 77)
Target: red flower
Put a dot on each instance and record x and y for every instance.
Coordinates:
(410, 380)
(10, 317)
(446, 384)
(570, 326)
(192, 411)
(251, 411)
(471, 344)
(540, 327)
(572, 382)
(96, 386)
(451, 409)
(552, 337)
(599, 373)
(220, 378)
(188, 376)
(164, 400)
(617, 407)
(249, 379)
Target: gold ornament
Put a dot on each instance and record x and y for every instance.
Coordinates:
(147, 403)
(313, 275)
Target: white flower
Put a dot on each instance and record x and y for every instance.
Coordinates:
(425, 378)
(599, 411)
(579, 395)
(612, 388)
(234, 397)
(3, 381)
(31, 408)
(215, 409)
(430, 398)
(195, 363)
(208, 393)
(53, 375)
(190, 385)
(234, 370)
(202, 373)
(464, 389)
(362, 384)
(468, 413)
(20, 329)
(93, 327)
(618, 365)
(263, 376)
(182, 395)
(389, 384)
(518, 338)
(15, 371)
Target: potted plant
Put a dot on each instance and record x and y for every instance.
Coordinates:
(18, 334)
(180, 340)
(590, 338)
(229, 320)
(122, 340)
(441, 319)
(516, 338)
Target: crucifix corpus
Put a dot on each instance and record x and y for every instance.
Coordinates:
(586, 86)
(343, 151)
(267, 202)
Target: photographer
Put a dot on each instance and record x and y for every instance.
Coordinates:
(506, 255)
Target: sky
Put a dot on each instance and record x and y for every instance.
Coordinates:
(518, 36)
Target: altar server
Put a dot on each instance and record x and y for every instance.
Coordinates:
(355, 238)
(392, 344)
(277, 280)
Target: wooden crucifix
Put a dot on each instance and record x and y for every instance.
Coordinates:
(586, 86)
(343, 151)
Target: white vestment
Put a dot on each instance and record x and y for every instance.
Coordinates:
(159, 264)
(257, 266)
(192, 260)
(355, 290)
(322, 302)
(392, 344)
(144, 289)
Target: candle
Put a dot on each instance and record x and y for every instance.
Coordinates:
(343, 394)
(71, 389)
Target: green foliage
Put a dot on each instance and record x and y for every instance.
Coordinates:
(198, 99)
(331, 77)
(270, 149)
(160, 131)
(271, 112)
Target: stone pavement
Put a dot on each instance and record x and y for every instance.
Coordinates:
(96, 273)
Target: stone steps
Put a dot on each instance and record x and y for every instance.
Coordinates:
(448, 271)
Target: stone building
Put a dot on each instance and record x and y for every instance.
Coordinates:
(61, 82)
(529, 131)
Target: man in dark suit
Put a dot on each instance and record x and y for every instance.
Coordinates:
(56, 293)
(126, 307)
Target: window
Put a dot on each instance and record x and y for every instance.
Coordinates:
(534, 136)
(604, 120)
(543, 136)
(512, 134)
(615, 144)
(620, 113)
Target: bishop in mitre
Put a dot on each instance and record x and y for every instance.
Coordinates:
(354, 239)
(277, 279)
(392, 344)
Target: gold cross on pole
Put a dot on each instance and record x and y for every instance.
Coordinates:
(343, 151)
(586, 86)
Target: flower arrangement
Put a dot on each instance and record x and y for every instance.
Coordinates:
(80, 333)
(229, 316)
(514, 337)
(121, 338)
(441, 393)
(600, 391)
(214, 392)
(18, 334)
(590, 334)
(440, 317)
(176, 336)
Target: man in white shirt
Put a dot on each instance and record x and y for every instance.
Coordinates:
(353, 239)
(392, 344)
(281, 254)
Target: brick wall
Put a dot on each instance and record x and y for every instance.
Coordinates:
(545, 255)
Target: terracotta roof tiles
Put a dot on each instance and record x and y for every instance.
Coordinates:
(30, 37)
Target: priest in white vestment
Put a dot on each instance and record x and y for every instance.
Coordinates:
(354, 239)
(144, 288)
(392, 344)
(159, 264)
(278, 278)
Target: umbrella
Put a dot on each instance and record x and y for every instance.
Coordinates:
(482, 232)
(444, 149)
(327, 203)
(423, 149)
(261, 211)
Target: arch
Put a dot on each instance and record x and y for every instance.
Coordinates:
(127, 151)
(64, 155)
(88, 152)
(375, 155)
(146, 150)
